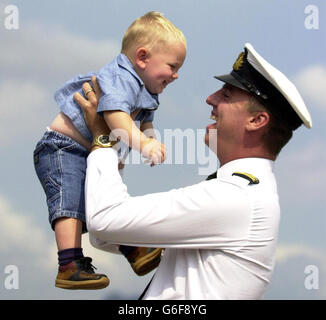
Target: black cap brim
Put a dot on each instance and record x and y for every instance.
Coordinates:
(229, 79)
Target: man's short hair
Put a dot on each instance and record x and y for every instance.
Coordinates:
(152, 31)
(277, 134)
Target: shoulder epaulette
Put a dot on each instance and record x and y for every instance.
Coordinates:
(252, 179)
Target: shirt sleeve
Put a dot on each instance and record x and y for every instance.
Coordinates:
(204, 215)
(117, 93)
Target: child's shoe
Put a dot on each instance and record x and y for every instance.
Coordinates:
(79, 274)
(144, 260)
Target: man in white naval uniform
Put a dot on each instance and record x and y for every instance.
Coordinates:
(219, 235)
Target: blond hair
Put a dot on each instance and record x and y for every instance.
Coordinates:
(152, 31)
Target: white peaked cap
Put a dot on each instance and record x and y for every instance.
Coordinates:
(251, 72)
(281, 82)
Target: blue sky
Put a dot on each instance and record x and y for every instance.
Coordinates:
(57, 40)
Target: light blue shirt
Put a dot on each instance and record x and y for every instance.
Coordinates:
(122, 89)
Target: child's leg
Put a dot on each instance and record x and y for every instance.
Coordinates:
(60, 164)
(68, 232)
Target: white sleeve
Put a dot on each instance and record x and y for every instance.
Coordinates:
(205, 215)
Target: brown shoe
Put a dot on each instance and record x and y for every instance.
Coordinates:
(79, 274)
(144, 260)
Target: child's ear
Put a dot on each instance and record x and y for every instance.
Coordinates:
(142, 55)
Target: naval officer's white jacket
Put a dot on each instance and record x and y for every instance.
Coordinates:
(220, 235)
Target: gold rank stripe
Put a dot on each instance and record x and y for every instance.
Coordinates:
(252, 179)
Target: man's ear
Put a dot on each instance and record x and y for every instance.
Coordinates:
(257, 120)
(142, 56)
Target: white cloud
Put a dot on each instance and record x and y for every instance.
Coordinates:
(296, 265)
(24, 106)
(311, 83)
(50, 54)
(20, 98)
(20, 233)
(285, 252)
(304, 180)
(33, 250)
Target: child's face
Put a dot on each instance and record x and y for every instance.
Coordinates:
(162, 66)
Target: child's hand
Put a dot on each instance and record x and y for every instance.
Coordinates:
(153, 150)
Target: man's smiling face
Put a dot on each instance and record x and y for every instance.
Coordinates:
(230, 111)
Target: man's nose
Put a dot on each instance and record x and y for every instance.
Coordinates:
(213, 98)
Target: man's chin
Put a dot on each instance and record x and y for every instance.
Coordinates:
(210, 144)
(210, 127)
(210, 138)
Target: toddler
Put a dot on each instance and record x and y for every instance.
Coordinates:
(153, 50)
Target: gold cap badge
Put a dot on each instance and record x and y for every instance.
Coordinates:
(238, 64)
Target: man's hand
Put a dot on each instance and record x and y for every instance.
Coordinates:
(94, 122)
